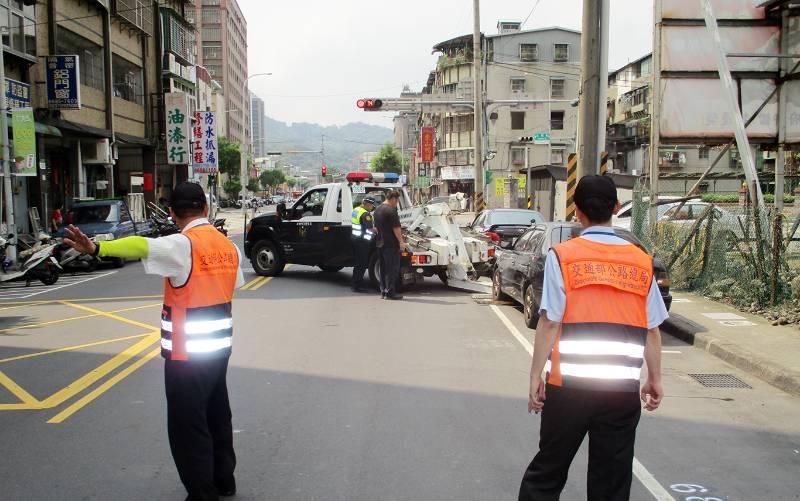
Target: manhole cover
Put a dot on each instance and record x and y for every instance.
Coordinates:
(720, 381)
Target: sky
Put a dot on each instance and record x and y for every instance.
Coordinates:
(324, 55)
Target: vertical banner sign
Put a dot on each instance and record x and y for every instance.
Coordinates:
(204, 141)
(499, 186)
(24, 142)
(63, 82)
(177, 120)
(427, 144)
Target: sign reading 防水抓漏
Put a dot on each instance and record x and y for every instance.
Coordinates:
(204, 142)
(63, 82)
(177, 120)
(18, 94)
(24, 142)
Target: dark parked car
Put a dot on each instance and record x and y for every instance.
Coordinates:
(519, 270)
(502, 226)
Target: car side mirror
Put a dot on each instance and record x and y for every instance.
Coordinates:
(281, 209)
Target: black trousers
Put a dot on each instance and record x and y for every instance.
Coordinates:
(361, 251)
(610, 419)
(390, 269)
(199, 425)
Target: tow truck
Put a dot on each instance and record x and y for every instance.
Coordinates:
(316, 231)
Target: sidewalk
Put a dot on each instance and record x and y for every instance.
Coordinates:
(745, 341)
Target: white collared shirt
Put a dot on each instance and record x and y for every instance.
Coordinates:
(171, 257)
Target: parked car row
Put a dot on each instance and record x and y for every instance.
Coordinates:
(519, 267)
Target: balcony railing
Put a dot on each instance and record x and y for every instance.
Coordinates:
(136, 13)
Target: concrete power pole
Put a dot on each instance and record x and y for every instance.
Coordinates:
(594, 85)
(8, 192)
(478, 96)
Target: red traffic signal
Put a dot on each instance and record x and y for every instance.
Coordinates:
(369, 104)
(324, 170)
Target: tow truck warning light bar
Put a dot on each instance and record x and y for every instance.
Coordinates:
(358, 177)
(369, 104)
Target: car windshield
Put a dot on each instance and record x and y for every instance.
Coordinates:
(523, 217)
(88, 214)
(374, 192)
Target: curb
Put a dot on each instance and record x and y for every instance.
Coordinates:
(748, 361)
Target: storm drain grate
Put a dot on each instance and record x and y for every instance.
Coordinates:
(720, 381)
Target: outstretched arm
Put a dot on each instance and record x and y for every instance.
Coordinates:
(129, 247)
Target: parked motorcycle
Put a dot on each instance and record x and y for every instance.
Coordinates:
(41, 265)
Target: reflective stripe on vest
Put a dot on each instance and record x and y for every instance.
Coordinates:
(196, 321)
(604, 327)
(359, 230)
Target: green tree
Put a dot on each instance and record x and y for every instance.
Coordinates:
(388, 159)
(272, 178)
(230, 157)
(232, 187)
(252, 185)
(303, 183)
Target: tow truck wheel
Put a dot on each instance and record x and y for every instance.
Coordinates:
(529, 308)
(50, 276)
(497, 291)
(331, 269)
(442, 276)
(374, 270)
(267, 260)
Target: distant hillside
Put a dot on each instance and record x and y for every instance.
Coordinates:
(343, 144)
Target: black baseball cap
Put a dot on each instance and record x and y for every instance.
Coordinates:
(187, 196)
(597, 187)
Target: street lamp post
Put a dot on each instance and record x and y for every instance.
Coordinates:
(246, 141)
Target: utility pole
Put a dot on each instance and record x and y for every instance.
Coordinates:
(594, 85)
(655, 118)
(477, 91)
(11, 250)
(780, 162)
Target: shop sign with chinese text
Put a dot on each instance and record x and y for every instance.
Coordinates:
(204, 141)
(18, 94)
(24, 142)
(177, 120)
(63, 82)
(426, 144)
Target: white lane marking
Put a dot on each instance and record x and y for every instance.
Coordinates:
(671, 352)
(723, 316)
(737, 323)
(645, 477)
(681, 300)
(66, 285)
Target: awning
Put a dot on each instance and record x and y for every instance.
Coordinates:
(47, 130)
(72, 128)
(134, 140)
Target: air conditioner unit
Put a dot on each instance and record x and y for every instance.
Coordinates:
(96, 152)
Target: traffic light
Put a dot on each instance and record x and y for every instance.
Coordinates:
(369, 104)
(526, 139)
(324, 170)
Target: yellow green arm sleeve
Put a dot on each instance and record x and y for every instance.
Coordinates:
(128, 248)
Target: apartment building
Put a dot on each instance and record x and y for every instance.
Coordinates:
(539, 64)
(628, 139)
(222, 49)
(258, 136)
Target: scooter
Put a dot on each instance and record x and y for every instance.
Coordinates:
(41, 265)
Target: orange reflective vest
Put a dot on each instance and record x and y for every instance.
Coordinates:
(604, 328)
(197, 321)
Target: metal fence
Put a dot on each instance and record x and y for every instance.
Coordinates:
(722, 251)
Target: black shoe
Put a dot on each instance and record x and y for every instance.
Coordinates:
(227, 488)
(359, 290)
(383, 295)
(394, 297)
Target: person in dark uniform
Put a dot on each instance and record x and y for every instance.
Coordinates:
(201, 270)
(362, 235)
(390, 242)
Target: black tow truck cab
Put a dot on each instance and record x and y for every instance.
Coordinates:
(316, 230)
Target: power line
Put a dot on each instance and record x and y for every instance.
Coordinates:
(530, 13)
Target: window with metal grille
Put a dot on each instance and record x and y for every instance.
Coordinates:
(212, 52)
(528, 52)
(518, 84)
(557, 87)
(211, 15)
(702, 152)
(212, 34)
(561, 52)
(557, 120)
(557, 156)
(92, 65)
(20, 23)
(517, 120)
(127, 80)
